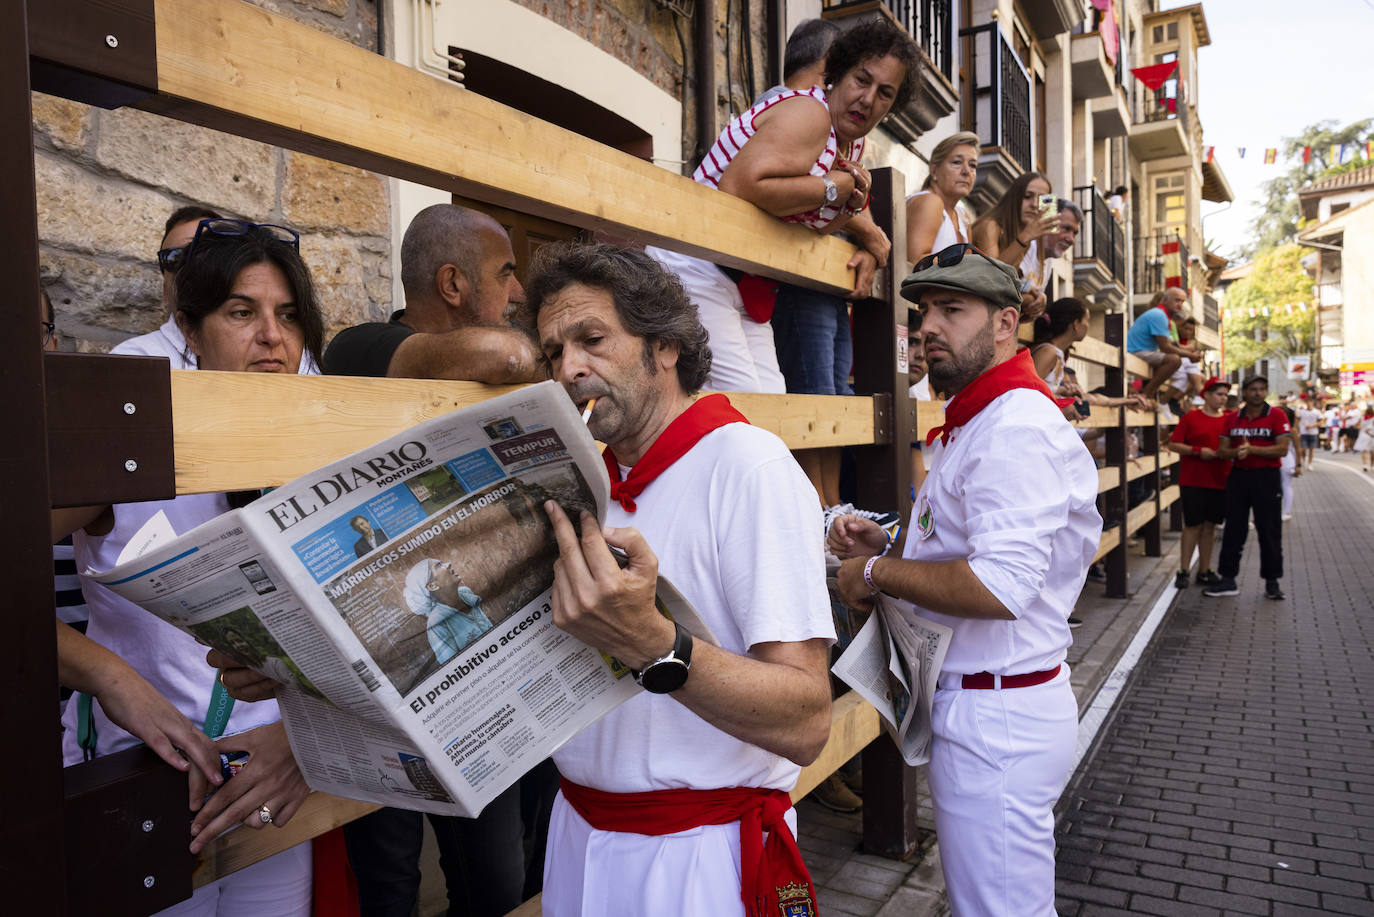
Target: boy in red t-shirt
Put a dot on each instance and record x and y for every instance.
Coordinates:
(1257, 436)
(1202, 480)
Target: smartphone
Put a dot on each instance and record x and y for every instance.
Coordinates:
(1083, 408)
(1048, 203)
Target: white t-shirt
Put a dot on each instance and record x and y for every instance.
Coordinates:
(1308, 421)
(1014, 492)
(1031, 267)
(168, 341)
(737, 528)
(948, 233)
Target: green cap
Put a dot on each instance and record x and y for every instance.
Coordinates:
(977, 274)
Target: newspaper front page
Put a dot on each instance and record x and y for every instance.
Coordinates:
(402, 596)
(893, 663)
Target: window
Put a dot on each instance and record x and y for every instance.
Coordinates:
(1173, 31)
(1337, 208)
(1171, 205)
(1157, 35)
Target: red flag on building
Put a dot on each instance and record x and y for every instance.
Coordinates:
(1307, 154)
(1155, 75)
(1208, 156)
(1173, 264)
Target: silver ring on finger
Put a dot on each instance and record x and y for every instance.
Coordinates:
(265, 814)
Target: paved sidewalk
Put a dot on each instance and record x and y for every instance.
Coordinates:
(1238, 774)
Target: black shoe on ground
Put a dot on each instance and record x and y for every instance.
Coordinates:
(1225, 585)
(1097, 573)
(1272, 590)
(1207, 578)
(1181, 579)
(1075, 622)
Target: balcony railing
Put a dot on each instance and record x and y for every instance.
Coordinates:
(1330, 294)
(927, 21)
(1154, 266)
(1158, 106)
(1001, 94)
(1101, 236)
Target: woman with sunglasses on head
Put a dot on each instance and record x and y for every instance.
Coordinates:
(245, 303)
(1011, 232)
(933, 219)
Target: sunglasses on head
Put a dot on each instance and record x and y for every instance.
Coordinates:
(948, 257)
(169, 260)
(229, 229)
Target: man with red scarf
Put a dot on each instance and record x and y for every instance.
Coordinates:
(998, 548)
(665, 801)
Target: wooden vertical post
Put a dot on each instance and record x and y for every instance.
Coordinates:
(32, 867)
(884, 482)
(1114, 501)
(1150, 443)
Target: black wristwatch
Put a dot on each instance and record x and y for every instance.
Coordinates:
(668, 673)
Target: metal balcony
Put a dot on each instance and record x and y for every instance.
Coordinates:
(1156, 269)
(1099, 254)
(999, 100)
(1160, 127)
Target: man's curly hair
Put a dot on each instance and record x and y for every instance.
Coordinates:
(874, 38)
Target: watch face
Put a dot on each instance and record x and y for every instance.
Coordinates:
(664, 676)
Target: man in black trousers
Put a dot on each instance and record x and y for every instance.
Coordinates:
(1257, 436)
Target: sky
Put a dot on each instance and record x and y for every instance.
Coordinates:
(1272, 69)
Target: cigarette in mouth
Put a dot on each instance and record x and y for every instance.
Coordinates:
(587, 414)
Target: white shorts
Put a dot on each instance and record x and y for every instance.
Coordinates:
(743, 358)
(281, 885)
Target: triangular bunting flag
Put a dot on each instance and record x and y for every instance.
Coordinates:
(1240, 152)
(1270, 155)
(1210, 151)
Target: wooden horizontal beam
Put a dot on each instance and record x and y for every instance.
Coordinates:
(1108, 478)
(1168, 458)
(242, 431)
(1136, 366)
(1100, 417)
(239, 849)
(234, 67)
(1167, 496)
(1139, 468)
(1111, 538)
(1097, 351)
(1140, 515)
(929, 414)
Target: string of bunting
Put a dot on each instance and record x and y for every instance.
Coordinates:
(1267, 311)
(1336, 154)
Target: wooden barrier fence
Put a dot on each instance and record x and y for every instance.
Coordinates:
(111, 838)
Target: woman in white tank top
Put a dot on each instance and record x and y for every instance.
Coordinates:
(933, 219)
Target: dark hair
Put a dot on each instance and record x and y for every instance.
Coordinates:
(1120, 189)
(807, 44)
(49, 314)
(874, 38)
(357, 517)
(186, 214)
(207, 277)
(1251, 380)
(1057, 318)
(649, 301)
(1006, 213)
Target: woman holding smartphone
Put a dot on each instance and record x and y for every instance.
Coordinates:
(1011, 232)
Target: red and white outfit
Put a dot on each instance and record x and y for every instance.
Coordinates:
(736, 527)
(743, 357)
(1013, 491)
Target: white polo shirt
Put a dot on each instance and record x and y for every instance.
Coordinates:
(1014, 492)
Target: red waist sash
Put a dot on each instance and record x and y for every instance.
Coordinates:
(774, 879)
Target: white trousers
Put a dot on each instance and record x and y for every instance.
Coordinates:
(999, 760)
(279, 886)
(1287, 466)
(743, 357)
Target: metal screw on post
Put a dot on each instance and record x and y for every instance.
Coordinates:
(147, 825)
(112, 41)
(129, 407)
(148, 881)
(130, 465)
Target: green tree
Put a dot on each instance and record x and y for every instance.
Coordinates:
(1278, 221)
(1276, 282)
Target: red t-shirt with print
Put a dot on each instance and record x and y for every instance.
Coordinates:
(1257, 431)
(1196, 428)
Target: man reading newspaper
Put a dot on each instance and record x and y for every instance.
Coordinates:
(666, 799)
(1000, 540)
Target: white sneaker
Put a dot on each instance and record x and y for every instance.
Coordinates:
(1288, 518)
(889, 522)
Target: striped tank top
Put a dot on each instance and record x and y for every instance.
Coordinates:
(739, 131)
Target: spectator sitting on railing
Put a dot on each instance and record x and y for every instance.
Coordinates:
(1187, 380)
(796, 156)
(1153, 339)
(1011, 232)
(245, 303)
(934, 221)
(1063, 324)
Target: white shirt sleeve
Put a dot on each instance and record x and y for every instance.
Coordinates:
(1015, 500)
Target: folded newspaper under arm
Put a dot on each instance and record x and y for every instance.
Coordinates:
(402, 595)
(893, 663)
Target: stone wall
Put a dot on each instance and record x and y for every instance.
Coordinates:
(107, 180)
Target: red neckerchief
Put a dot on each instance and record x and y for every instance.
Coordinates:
(1018, 372)
(705, 415)
(772, 873)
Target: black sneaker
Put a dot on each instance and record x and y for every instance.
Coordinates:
(1272, 590)
(1075, 622)
(1097, 573)
(1225, 585)
(1181, 579)
(1207, 578)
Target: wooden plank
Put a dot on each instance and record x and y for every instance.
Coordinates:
(1099, 416)
(241, 431)
(531, 908)
(929, 414)
(238, 849)
(238, 68)
(1108, 478)
(1142, 418)
(1140, 515)
(1168, 458)
(853, 724)
(1137, 367)
(1097, 351)
(1110, 540)
(1167, 496)
(1138, 468)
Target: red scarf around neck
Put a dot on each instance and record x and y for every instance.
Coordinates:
(706, 414)
(1018, 372)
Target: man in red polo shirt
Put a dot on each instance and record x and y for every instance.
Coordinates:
(1202, 480)
(1257, 436)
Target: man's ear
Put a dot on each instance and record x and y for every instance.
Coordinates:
(666, 354)
(452, 286)
(1006, 322)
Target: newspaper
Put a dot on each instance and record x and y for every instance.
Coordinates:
(402, 595)
(893, 663)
